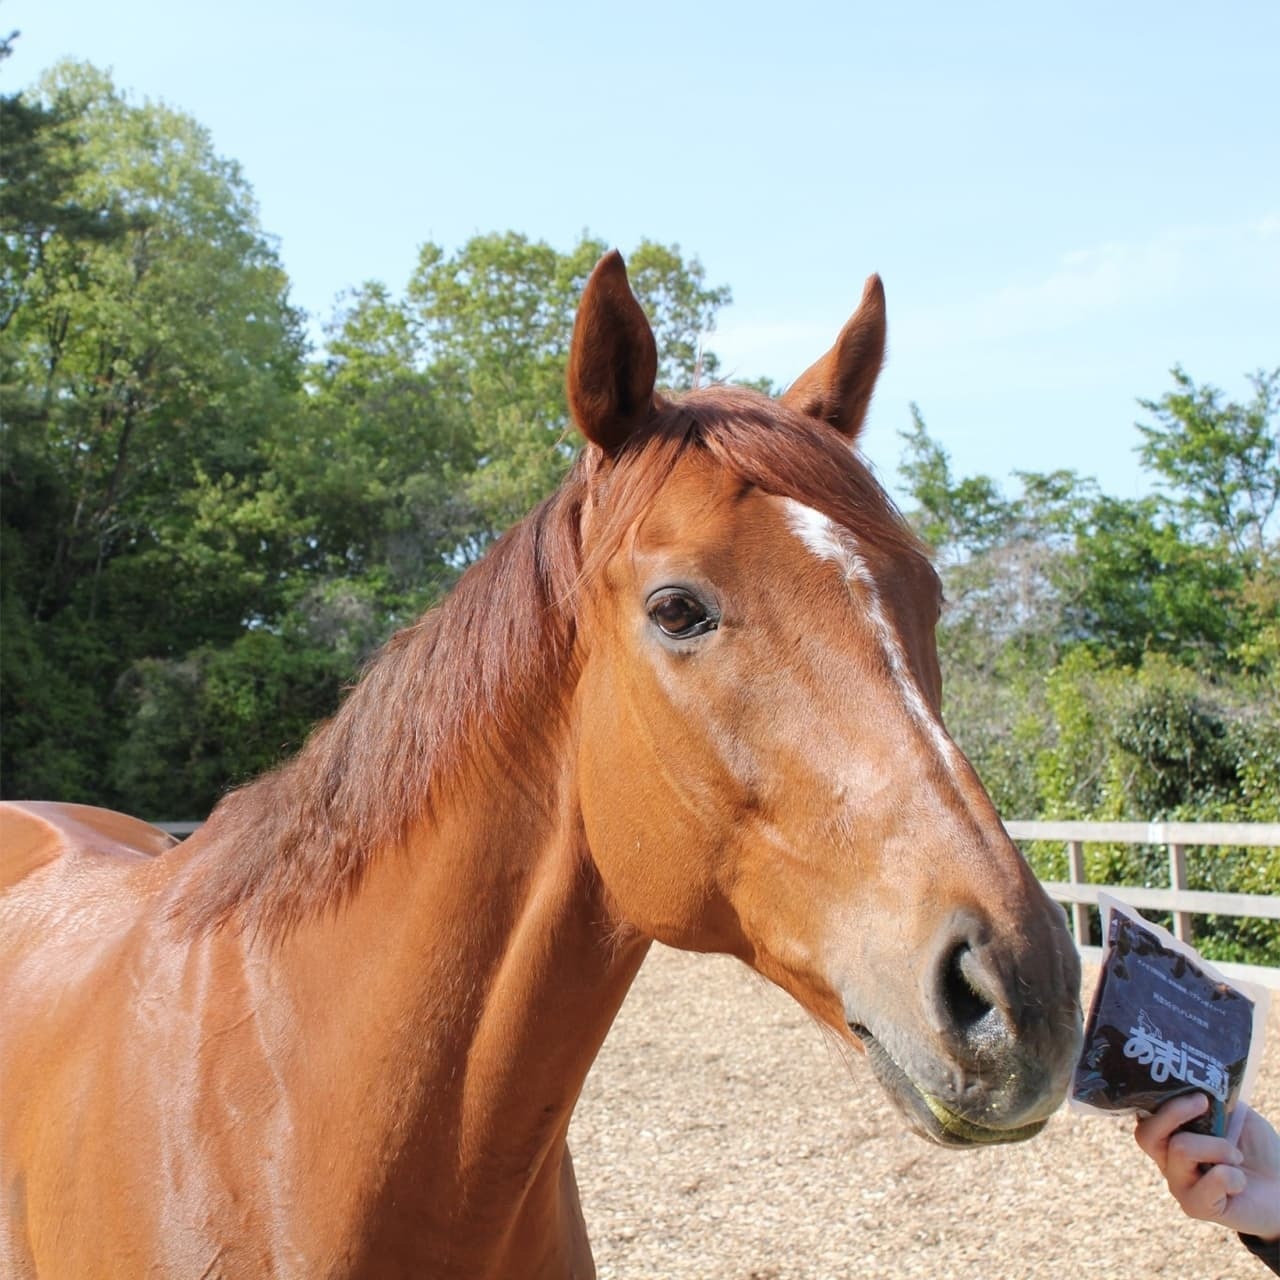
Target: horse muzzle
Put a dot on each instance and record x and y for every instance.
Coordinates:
(981, 1051)
(946, 1122)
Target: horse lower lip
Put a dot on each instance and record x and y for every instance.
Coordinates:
(966, 1131)
(940, 1121)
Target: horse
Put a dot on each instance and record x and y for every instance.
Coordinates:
(693, 697)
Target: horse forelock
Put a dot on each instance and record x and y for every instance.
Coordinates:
(763, 444)
(481, 679)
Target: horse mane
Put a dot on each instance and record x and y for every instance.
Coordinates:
(476, 676)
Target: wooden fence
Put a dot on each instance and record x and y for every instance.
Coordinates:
(1078, 894)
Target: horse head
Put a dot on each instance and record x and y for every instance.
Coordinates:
(761, 760)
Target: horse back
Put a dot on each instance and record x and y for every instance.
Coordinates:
(35, 833)
(83, 970)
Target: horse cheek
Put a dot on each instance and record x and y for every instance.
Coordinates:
(656, 858)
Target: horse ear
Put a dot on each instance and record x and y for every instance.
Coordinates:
(613, 360)
(838, 387)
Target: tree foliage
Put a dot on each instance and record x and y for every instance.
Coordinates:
(494, 321)
(1117, 659)
(143, 366)
(43, 162)
(1218, 464)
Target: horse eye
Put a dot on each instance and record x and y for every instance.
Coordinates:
(680, 615)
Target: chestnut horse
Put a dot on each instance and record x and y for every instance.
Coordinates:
(694, 696)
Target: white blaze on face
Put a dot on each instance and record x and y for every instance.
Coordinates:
(828, 541)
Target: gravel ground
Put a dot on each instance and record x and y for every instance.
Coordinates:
(721, 1134)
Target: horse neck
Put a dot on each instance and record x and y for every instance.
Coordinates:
(482, 974)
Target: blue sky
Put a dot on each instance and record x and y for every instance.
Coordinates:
(1063, 200)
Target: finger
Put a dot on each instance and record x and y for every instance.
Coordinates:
(1152, 1133)
(1187, 1152)
(1209, 1197)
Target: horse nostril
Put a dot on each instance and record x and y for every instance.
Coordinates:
(962, 991)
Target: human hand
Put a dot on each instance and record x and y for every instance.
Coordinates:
(1212, 1179)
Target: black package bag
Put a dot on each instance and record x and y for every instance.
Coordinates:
(1163, 1023)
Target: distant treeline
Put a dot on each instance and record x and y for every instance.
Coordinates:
(206, 528)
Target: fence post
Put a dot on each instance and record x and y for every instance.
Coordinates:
(1177, 881)
(1079, 910)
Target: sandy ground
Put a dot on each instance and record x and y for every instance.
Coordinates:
(721, 1135)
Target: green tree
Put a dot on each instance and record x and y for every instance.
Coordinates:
(158, 361)
(219, 716)
(377, 460)
(682, 309)
(1219, 463)
(143, 371)
(1005, 564)
(1142, 587)
(40, 157)
(959, 518)
(494, 321)
(1116, 659)
(1192, 570)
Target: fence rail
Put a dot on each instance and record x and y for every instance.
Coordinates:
(1079, 894)
(179, 828)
